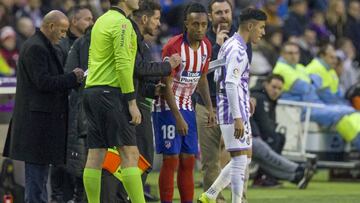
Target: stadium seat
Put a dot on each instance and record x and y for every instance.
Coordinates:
(306, 139)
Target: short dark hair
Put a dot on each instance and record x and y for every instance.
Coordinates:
(114, 2)
(274, 76)
(289, 44)
(252, 14)
(148, 8)
(212, 2)
(323, 48)
(75, 10)
(194, 8)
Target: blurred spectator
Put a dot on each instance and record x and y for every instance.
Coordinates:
(270, 46)
(34, 10)
(242, 4)
(322, 73)
(5, 69)
(307, 44)
(353, 25)
(318, 5)
(271, 8)
(350, 70)
(299, 86)
(297, 20)
(339, 66)
(80, 18)
(168, 5)
(25, 28)
(318, 25)
(260, 64)
(8, 46)
(105, 5)
(4, 15)
(336, 17)
(63, 5)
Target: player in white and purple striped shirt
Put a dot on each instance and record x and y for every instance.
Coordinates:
(233, 104)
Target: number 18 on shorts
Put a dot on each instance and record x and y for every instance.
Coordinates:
(167, 139)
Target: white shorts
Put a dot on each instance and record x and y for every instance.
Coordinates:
(233, 144)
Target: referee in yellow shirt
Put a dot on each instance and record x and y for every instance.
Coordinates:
(109, 100)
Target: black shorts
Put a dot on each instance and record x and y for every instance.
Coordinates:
(108, 118)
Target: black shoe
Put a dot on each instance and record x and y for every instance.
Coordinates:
(309, 172)
(266, 182)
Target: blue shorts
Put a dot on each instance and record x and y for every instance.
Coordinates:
(167, 140)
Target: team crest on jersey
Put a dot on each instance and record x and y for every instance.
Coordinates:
(242, 140)
(248, 140)
(236, 72)
(203, 58)
(167, 144)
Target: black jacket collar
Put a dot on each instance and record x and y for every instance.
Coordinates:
(115, 8)
(71, 35)
(43, 38)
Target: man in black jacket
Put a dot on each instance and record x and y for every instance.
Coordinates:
(268, 144)
(37, 133)
(263, 122)
(80, 18)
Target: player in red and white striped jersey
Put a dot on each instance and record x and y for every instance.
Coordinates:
(187, 75)
(174, 119)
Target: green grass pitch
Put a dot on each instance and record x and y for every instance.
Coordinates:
(320, 190)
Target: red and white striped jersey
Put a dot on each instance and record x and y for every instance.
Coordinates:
(186, 76)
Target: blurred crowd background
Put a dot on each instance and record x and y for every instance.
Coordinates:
(306, 22)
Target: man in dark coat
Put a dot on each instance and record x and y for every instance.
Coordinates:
(39, 125)
(80, 18)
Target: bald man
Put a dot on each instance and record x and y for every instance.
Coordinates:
(37, 132)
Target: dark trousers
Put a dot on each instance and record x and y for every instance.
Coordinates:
(277, 142)
(58, 178)
(112, 191)
(36, 177)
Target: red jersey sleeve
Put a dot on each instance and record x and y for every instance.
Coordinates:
(209, 54)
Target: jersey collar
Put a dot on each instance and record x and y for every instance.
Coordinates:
(115, 8)
(240, 39)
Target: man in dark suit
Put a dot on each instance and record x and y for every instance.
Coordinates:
(39, 125)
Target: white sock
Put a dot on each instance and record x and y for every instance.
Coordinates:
(220, 183)
(237, 173)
